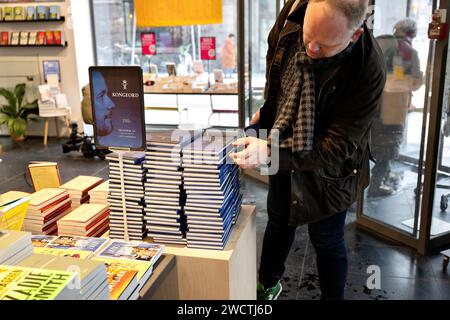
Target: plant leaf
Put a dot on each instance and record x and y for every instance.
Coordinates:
(9, 96)
(19, 127)
(19, 91)
(3, 118)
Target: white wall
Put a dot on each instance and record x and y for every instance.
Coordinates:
(74, 59)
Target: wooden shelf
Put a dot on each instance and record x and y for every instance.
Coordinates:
(61, 19)
(36, 46)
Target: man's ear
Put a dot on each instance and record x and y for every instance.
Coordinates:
(357, 34)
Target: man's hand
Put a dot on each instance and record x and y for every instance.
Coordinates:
(256, 153)
(255, 118)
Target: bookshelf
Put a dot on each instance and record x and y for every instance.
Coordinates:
(37, 46)
(61, 19)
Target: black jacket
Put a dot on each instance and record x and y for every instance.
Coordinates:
(326, 180)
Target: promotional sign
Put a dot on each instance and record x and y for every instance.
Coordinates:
(208, 48)
(118, 107)
(170, 13)
(148, 41)
(51, 67)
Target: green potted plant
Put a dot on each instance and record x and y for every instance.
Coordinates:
(16, 113)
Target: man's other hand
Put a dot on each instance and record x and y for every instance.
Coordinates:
(255, 154)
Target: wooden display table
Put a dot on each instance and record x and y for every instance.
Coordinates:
(217, 274)
(163, 272)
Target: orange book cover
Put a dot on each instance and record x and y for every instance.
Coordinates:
(49, 38)
(57, 36)
(40, 38)
(4, 39)
(119, 280)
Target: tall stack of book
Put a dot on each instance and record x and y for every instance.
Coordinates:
(46, 207)
(14, 246)
(20, 283)
(164, 198)
(88, 220)
(92, 277)
(212, 186)
(79, 187)
(134, 178)
(99, 195)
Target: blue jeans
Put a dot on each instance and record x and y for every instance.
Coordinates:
(327, 237)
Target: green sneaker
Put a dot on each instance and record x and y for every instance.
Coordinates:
(269, 293)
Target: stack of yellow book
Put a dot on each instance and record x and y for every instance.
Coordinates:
(99, 195)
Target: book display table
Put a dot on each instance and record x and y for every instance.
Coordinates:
(216, 274)
(163, 272)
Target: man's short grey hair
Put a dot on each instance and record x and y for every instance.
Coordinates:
(354, 10)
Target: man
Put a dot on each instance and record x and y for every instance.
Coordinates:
(103, 105)
(325, 77)
(228, 56)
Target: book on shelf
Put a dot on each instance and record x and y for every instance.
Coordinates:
(49, 38)
(57, 36)
(23, 38)
(44, 174)
(41, 12)
(32, 38)
(30, 13)
(19, 13)
(15, 36)
(1, 14)
(54, 12)
(8, 13)
(91, 280)
(40, 38)
(4, 38)
(21, 283)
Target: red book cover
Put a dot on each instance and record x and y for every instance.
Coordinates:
(57, 36)
(49, 38)
(40, 38)
(4, 38)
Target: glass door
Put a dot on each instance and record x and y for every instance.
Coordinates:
(392, 203)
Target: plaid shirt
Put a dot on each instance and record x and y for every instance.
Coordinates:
(296, 99)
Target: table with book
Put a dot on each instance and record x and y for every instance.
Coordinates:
(188, 234)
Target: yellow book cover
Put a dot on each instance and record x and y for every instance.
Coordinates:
(142, 267)
(103, 187)
(13, 214)
(82, 183)
(119, 280)
(20, 283)
(44, 175)
(10, 196)
(63, 252)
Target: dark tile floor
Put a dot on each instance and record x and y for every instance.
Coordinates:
(404, 274)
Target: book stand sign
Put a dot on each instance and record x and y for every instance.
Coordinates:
(117, 99)
(208, 52)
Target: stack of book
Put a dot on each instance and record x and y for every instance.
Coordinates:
(46, 207)
(20, 283)
(88, 220)
(79, 187)
(134, 177)
(212, 186)
(68, 246)
(123, 284)
(164, 198)
(14, 246)
(132, 256)
(92, 277)
(99, 195)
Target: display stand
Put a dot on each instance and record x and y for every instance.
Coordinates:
(228, 274)
(120, 153)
